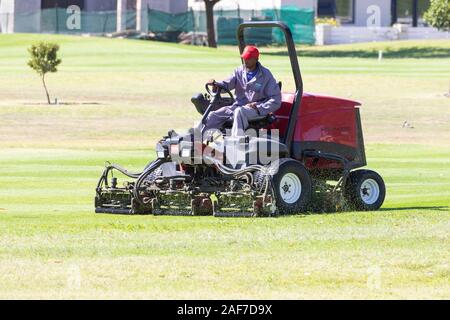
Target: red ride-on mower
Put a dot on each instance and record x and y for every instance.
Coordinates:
(300, 158)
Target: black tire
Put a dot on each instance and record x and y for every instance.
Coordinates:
(292, 186)
(365, 190)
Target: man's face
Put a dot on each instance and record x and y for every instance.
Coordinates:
(250, 64)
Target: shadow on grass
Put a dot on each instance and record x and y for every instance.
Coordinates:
(407, 52)
(62, 103)
(330, 211)
(310, 212)
(428, 208)
(433, 208)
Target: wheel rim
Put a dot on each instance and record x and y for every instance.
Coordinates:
(290, 188)
(369, 191)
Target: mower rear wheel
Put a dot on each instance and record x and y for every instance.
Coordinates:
(292, 186)
(365, 190)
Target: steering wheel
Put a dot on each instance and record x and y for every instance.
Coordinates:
(220, 88)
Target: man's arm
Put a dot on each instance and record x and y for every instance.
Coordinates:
(230, 82)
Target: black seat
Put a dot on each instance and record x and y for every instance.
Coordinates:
(255, 123)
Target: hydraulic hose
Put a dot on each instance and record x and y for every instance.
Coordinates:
(124, 171)
(148, 170)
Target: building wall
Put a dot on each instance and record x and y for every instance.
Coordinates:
(171, 6)
(360, 7)
(253, 4)
(6, 6)
(300, 3)
(20, 16)
(6, 16)
(328, 35)
(100, 5)
(27, 16)
(177, 6)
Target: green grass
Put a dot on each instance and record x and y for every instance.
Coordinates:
(123, 95)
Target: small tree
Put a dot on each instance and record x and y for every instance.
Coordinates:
(44, 60)
(438, 14)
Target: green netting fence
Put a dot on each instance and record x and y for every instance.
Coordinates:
(300, 21)
(55, 20)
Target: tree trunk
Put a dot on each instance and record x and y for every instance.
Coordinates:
(45, 87)
(209, 4)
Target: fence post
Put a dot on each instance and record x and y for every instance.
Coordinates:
(138, 15)
(141, 17)
(121, 15)
(56, 19)
(193, 26)
(149, 10)
(6, 22)
(106, 22)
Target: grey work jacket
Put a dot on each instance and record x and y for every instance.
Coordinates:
(262, 89)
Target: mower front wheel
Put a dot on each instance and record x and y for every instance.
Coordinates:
(365, 190)
(292, 186)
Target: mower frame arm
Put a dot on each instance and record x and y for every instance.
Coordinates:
(294, 65)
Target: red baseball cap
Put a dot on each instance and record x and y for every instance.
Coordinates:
(250, 52)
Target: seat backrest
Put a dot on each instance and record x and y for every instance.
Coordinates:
(283, 114)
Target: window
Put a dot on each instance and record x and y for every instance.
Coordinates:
(344, 11)
(422, 6)
(409, 12)
(405, 11)
(341, 10)
(326, 8)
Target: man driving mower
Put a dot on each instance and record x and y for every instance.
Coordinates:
(257, 94)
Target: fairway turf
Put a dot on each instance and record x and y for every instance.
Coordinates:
(120, 96)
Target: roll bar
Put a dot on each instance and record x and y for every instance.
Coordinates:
(294, 65)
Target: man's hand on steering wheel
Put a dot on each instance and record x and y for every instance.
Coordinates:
(217, 89)
(212, 82)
